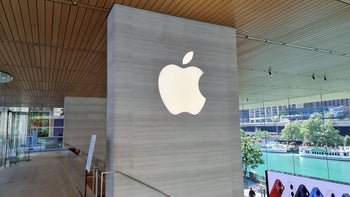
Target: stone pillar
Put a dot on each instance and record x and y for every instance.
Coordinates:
(180, 155)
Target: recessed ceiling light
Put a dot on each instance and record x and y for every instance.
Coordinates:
(5, 77)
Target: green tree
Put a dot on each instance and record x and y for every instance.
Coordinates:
(328, 115)
(242, 133)
(329, 136)
(317, 115)
(311, 130)
(251, 154)
(276, 119)
(262, 135)
(292, 131)
(318, 133)
(347, 140)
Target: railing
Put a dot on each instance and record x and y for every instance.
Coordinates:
(21, 152)
(78, 167)
(132, 178)
(45, 144)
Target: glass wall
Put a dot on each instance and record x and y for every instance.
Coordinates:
(3, 129)
(24, 130)
(45, 128)
(305, 139)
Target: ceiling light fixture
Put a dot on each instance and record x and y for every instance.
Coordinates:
(5, 77)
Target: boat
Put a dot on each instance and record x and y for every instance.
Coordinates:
(341, 153)
(275, 147)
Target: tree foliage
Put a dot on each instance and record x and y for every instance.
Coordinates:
(330, 136)
(292, 131)
(276, 118)
(318, 133)
(311, 129)
(347, 140)
(242, 132)
(262, 135)
(251, 154)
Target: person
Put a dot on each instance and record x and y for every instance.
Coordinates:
(251, 193)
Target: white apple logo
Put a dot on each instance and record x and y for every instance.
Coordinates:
(179, 87)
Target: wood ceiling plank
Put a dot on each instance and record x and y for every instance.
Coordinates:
(28, 46)
(202, 7)
(20, 55)
(142, 4)
(36, 70)
(14, 58)
(56, 23)
(49, 37)
(79, 20)
(154, 5)
(225, 11)
(126, 2)
(208, 10)
(117, 1)
(41, 17)
(38, 60)
(101, 3)
(8, 20)
(85, 28)
(57, 66)
(33, 16)
(18, 20)
(93, 2)
(164, 6)
(64, 63)
(322, 25)
(180, 5)
(90, 2)
(92, 31)
(134, 3)
(100, 36)
(45, 79)
(97, 29)
(47, 57)
(73, 12)
(71, 61)
(191, 5)
(171, 6)
(5, 54)
(24, 51)
(63, 24)
(52, 63)
(102, 44)
(2, 33)
(95, 66)
(83, 62)
(146, 6)
(3, 62)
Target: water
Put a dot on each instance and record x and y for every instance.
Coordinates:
(317, 168)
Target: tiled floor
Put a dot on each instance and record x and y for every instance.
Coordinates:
(43, 176)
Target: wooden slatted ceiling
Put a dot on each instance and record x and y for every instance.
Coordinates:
(57, 48)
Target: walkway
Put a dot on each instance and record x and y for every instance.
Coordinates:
(44, 175)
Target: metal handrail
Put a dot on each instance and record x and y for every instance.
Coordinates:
(132, 178)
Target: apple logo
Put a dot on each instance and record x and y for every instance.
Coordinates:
(179, 87)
